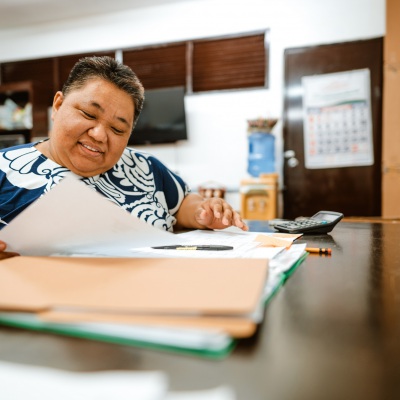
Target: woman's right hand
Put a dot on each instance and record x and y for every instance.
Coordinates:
(5, 254)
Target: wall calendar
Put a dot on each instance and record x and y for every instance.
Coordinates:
(337, 120)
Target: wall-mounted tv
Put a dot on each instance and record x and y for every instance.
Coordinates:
(163, 118)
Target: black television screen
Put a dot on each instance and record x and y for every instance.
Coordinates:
(162, 119)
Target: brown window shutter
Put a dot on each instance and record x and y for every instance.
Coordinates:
(39, 71)
(232, 63)
(159, 67)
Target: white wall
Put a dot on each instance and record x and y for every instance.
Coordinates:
(217, 145)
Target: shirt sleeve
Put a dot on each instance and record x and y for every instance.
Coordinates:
(174, 187)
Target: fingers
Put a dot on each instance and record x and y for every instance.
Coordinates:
(7, 254)
(220, 215)
(239, 222)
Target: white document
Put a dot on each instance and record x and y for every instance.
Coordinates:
(223, 392)
(73, 218)
(243, 243)
(21, 382)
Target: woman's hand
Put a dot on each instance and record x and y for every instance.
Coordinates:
(5, 254)
(214, 213)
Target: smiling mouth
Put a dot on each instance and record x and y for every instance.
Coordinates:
(91, 148)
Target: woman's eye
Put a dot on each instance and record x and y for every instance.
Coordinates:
(88, 115)
(118, 131)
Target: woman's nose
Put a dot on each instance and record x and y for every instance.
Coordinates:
(98, 132)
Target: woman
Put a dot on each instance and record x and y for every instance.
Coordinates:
(93, 117)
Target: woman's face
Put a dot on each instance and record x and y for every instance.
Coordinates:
(91, 127)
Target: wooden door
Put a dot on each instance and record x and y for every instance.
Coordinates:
(391, 114)
(354, 191)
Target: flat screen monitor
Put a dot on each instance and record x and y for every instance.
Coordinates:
(163, 118)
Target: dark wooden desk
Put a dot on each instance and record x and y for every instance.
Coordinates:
(332, 332)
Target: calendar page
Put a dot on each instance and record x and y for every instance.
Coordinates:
(337, 120)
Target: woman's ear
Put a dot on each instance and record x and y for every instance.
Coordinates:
(57, 101)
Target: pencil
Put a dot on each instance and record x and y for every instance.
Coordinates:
(319, 250)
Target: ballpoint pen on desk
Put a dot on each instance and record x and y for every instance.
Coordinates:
(319, 250)
(194, 247)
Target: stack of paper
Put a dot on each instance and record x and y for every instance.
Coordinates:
(106, 296)
(166, 299)
(184, 305)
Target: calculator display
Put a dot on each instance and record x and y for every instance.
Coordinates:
(325, 217)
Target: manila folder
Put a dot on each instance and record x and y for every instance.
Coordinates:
(133, 286)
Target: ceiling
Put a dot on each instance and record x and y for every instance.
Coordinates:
(20, 13)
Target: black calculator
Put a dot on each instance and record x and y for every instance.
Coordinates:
(321, 222)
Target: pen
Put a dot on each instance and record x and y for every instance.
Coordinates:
(319, 250)
(193, 247)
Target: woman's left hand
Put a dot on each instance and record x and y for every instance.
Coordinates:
(216, 213)
(196, 212)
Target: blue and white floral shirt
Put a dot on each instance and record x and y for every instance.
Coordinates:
(138, 182)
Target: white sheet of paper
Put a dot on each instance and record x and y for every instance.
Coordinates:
(19, 382)
(243, 244)
(222, 392)
(74, 219)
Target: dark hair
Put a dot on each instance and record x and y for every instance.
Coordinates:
(110, 70)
